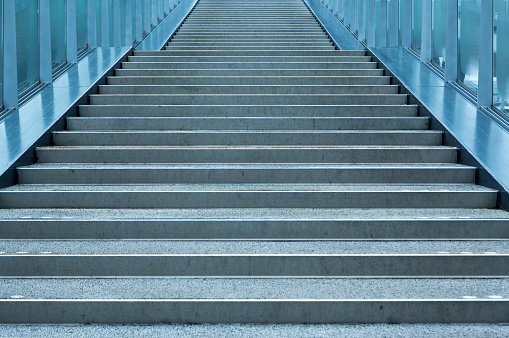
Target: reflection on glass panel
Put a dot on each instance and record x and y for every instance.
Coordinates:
(82, 22)
(469, 13)
(58, 29)
(400, 26)
(98, 21)
(501, 56)
(1, 52)
(133, 19)
(377, 22)
(122, 22)
(416, 24)
(27, 41)
(110, 12)
(438, 27)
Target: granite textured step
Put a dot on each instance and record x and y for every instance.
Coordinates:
(251, 172)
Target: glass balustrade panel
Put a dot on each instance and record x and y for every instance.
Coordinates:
(27, 43)
(416, 24)
(438, 34)
(501, 55)
(469, 13)
(82, 24)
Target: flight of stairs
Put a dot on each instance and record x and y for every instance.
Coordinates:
(250, 172)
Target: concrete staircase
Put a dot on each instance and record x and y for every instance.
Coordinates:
(251, 172)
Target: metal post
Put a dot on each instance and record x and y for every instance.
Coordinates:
(105, 24)
(485, 88)
(117, 32)
(426, 31)
(10, 80)
(92, 24)
(382, 30)
(406, 24)
(148, 26)
(72, 32)
(451, 47)
(371, 27)
(139, 21)
(45, 67)
(362, 20)
(394, 24)
(129, 23)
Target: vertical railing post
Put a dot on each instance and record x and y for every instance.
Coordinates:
(129, 39)
(371, 27)
(406, 24)
(485, 87)
(72, 32)
(362, 20)
(451, 42)
(91, 24)
(105, 24)
(426, 30)
(394, 24)
(117, 31)
(147, 16)
(10, 80)
(382, 29)
(139, 21)
(45, 68)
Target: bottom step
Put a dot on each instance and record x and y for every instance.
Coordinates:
(253, 300)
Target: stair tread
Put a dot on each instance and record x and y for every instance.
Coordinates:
(254, 288)
(260, 248)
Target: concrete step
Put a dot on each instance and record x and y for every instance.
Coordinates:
(280, 44)
(250, 80)
(249, 72)
(245, 59)
(242, 258)
(243, 47)
(248, 89)
(252, 154)
(244, 173)
(249, 65)
(248, 196)
(244, 137)
(248, 111)
(249, 99)
(231, 53)
(247, 123)
(259, 223)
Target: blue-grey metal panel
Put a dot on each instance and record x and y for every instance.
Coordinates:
(20, 129)
(479, 134)
(162, 33)
(341, 36)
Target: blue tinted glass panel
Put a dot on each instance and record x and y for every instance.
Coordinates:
(98, 18)
(27, 43)
(438, 27)
(400, 25)
(82, 22)
(469, 13)
(501, 56)
(1, 52)
(58, 36)
(416, 24)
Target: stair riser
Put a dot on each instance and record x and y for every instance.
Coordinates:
(246, 47)
(254, 265)
(255, 59)
(248, 99)
(252, 138)
(248, 72)
(252, 111)
(285, 52)
(416, 123)
(258, 80)
(247, 199)
(260, 229)
(249, 65)
(253, 311)
(246, 89)
(204, 155)
(162, 176)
